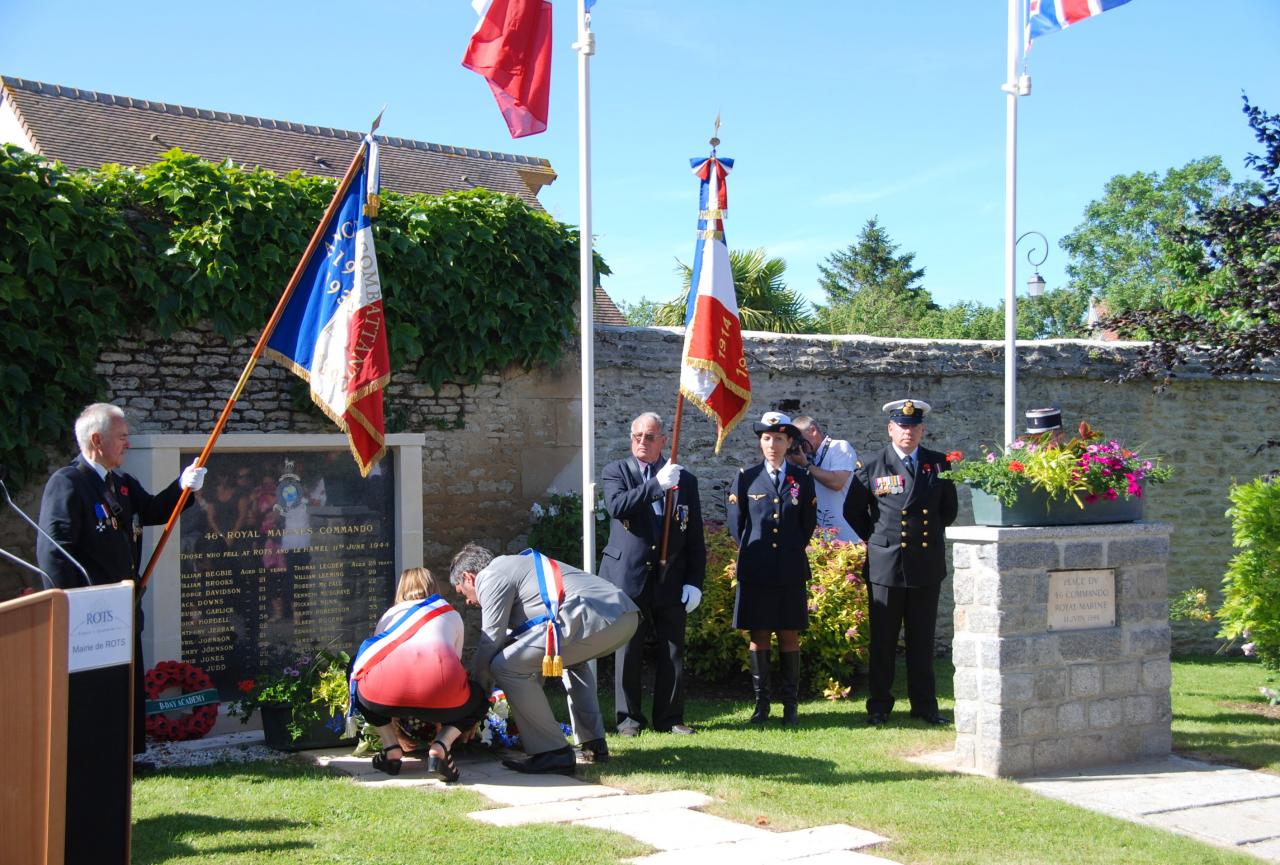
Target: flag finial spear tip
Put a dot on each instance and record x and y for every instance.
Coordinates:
(715, 136)
(377, 121)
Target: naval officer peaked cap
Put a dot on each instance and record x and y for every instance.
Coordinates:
(906, 412)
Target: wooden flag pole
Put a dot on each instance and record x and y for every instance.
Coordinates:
(669, 504)
(316, 237)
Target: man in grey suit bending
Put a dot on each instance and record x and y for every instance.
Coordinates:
(559, 617)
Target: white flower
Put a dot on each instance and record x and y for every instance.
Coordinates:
(536, 510)
(1248, 648)
(553, 511)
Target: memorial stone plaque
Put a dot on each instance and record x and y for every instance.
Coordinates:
(282, 554)
(1082, 599)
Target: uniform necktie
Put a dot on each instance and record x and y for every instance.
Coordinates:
(651, 472)
(910, 462)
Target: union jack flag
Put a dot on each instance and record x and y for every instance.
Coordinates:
(1047, 16)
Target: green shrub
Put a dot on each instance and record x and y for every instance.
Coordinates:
(1251, 588)
(557, 528)
(833, 650)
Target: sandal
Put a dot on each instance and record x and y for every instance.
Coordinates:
(383, 763)
(442, 767)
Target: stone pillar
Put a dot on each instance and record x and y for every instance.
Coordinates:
(1050, 674)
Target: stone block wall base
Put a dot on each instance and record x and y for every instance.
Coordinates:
(1031, 699)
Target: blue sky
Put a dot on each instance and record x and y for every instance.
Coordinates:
(833, 112)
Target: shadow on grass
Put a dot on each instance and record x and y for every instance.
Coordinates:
(163, 837)
(748, 763)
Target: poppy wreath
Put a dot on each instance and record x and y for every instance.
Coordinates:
(189, 679)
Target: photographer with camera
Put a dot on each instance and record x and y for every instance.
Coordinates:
(831, 463)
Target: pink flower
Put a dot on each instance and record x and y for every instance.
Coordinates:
(991, 458)
(819, 589)
(851, 578)
(853, 632)
(1091, 498)
(813, 606)
(1111, 495)
(1247, 648)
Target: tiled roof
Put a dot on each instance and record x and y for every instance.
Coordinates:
(85, 129)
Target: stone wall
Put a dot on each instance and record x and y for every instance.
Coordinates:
(1031, 699)
(496, 447)
(1209, 429)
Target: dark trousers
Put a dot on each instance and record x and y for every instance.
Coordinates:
(464, 717)
(892, 609)
(668, 623)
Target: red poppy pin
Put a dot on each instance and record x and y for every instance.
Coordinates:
(124, 490)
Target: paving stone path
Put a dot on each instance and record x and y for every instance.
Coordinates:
(671, 821)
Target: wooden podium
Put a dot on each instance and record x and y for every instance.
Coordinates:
(66, 794)
(33, 726)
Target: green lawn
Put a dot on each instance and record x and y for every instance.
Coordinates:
(833, 770)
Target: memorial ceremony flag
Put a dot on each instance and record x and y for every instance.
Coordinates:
(1048, 16)
(713, 369)
(333, 332)
(511, 49)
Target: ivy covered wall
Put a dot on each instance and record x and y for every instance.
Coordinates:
(474, 282)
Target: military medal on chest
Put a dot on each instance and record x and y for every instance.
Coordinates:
(889, 485)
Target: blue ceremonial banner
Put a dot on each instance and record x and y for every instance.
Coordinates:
(333, 332)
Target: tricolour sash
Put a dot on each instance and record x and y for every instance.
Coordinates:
(551, 586)
(377, 647)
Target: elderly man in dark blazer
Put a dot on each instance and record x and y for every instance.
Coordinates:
(97, 513)
(636, 495)
(901, 505)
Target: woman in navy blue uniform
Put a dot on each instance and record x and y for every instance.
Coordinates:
(772, 512)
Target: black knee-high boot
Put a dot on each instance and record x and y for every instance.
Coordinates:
(760, 683)
(790, 687)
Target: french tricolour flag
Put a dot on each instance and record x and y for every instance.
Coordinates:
(1047, 16)
(511, 48)
(333, 332)
(713, 369)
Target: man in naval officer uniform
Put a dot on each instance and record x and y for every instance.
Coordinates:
(635, 495)
(901, 505)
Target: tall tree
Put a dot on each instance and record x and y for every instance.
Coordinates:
(1129, 251)
(764, 301)
(872, 289)
(869, 263)
(1236, 323)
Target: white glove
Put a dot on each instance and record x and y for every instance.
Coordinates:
(669, 475)
(193, 476)
(691, 597)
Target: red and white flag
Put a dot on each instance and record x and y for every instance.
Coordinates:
(713, 368)
(511, 48)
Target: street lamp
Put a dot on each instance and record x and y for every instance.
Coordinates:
(1035, 285)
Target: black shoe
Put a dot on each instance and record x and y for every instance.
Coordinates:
(679, 730)
(443, 768)
(877, 719)
(560, 761)
(143, 768)
(593, 751)
(933, 718)
(385, 764)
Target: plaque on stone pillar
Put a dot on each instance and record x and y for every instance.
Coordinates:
(283, 553)
(1082, 599)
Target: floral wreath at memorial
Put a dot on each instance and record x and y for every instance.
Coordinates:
(198, 694)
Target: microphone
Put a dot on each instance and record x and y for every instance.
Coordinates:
(45, 535)
(48, 583)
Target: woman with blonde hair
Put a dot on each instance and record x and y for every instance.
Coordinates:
(412, 668)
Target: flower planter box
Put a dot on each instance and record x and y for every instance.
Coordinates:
(275, 730)
(1035, 508)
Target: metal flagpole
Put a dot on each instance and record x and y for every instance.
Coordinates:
(1013, 88)
(221, 422)
(586, 46)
